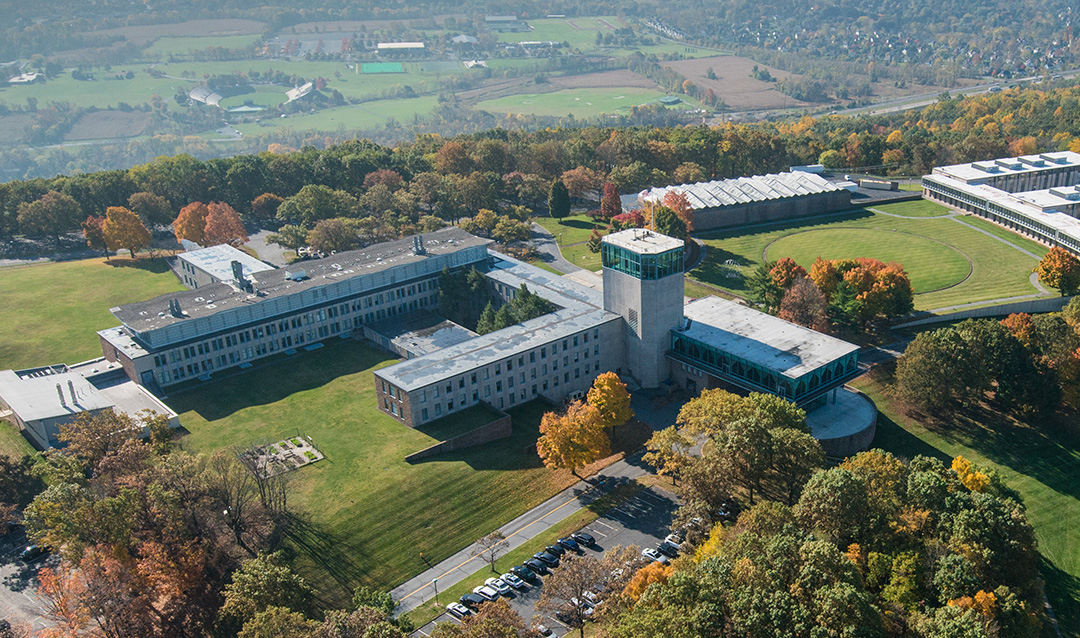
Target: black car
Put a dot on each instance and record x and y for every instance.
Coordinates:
(32, 552)
(668, 549)
(523, 572)
(472, 600)
(536, 566)
(584, 538)
(555, 549)
(548, 559)
(569, 543)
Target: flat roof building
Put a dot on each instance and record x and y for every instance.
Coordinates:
(211, 265)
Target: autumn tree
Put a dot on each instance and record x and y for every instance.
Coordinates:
(289, 236)
(124, 229)
(804, 304)
(610, 203)
(509, 230)
(490, 547)
(572, 440)
(680, 205)
(654, 572)
(786, 272)
(153, 209)
(612, 402)
(93, 436)
(332, 235)
(564, 590)
(94, 232)
(278, 622)
(1060, 269)
(666, 222)
(795, 457)
(582, 180)
(264, 207)
(263, 582)
(669, 452)
(558, 199)
(54, 213)
(223, 226)
(190, 224)
(62, 588)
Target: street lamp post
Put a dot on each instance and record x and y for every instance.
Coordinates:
(435, 582)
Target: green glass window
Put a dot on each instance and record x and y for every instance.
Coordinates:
(642, 266)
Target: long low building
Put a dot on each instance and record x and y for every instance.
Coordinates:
(1036, 195)
(751, 200)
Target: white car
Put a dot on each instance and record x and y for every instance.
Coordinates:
(513, 581)
(498, 585)
(486, 592)
(675, 540)
(652, 554)
(458, 610)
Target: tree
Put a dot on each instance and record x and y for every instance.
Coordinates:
(669, 452)
(786, 272)
(581, 181)
(124, 229)
(609, 396)
(610, 202)
(190, 224)
(835, 503)
(278, 622)
(314, 202)
(55, 213)
(223, 226)
(289, 236)
(153, 209)
(93, 436)
(62, 588)
(382, 601)
(1060, 269)
(654, 572)
(564, 590)
(94, 232)
(744, 449)
(936, 369)
(666, 222)
(263, 582)
(264, 207)
(680, 205)
(495, 619)
(332, 235)
(796, 456)
(572, 440)
(490, 547)
(764, 291)
(508, 230)
(596, 239)
(558, 199)
(804, 304)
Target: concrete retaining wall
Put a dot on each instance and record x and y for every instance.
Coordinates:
(1046, 304)
(498, 429)
(842, 447)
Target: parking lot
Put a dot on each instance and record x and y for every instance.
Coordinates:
(20, 603)
(642, 520)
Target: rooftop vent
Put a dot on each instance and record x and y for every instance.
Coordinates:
(418, 245)
(296, 275)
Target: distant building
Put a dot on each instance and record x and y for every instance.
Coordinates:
(210, 265)
(475, 64)
(752, 200)
(298, 92)
(1036, 195)
(205, 95)
(464, 39)
(506, 23)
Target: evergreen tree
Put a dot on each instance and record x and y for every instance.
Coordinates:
(558, 199)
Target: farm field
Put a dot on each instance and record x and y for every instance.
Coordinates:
(362, 530)
(1036, 459)
(581, 102)
(184, 46)
(70, 301)
(931, 250)
(357, 116)
(734, 83)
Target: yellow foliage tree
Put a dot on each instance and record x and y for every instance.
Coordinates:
(969, 475)
(984, 602)
(190, 224)
(572, 440)
(124, 229)
(609, 396)
(647, 575)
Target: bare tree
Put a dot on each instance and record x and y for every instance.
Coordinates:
(271, 483)
(234, 488)
(490, 547)
(564, 590)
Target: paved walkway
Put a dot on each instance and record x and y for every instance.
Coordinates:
(546, 244)
(415, 591)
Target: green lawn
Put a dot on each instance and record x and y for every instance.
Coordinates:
(263, 95)
(164, 47)
(570, 230)
(580, 255)
(368, 115)
(917, 208)
(1039, 461)
(1029, 245)
(12, 443)
(580, 102)
(998, 270)
(50, 312)
(562, 30)
(371, 513)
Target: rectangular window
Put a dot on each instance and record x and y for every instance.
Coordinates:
(423, 396)
(532, 357)
(438, 409)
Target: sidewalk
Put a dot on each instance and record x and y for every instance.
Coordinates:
(415, 591)
(545, 243)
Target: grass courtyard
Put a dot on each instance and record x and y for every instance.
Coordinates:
(372, 514)
(951, 260)
(51, 311)
(1037, 459)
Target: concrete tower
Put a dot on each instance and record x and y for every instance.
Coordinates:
(643, 282)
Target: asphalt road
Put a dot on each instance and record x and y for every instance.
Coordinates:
(19, 600)
(643, 520)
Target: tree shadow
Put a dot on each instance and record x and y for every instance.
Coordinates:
(785, 224)
(154, 265)
(892, 436)
(579, 223)
(1063, 592)
(331, 554)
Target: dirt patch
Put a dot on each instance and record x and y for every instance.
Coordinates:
(500, 88)
(109, 124)
(147, 32)
(887, 89)
(604, 79)
(734, 84)
(11, 127)
(349, 26)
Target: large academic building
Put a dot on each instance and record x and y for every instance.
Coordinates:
(1036, 195)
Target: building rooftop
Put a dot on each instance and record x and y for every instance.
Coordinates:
(421, 332)
(642, 241)
(400, 45)
(580, 308)
(760, 338)
(49, 395)
(216, 261)
(981, 171)
(743, 190)
(279, 282)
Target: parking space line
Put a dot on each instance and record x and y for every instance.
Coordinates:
(598, 533)
(604, 524)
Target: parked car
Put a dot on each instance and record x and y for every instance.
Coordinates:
(32, 553)
(555, 549)
(584, 538)
(585, 606)
(654, 555)
(485, 592)
(675, 539)
(548, 559)
(513, 581)
(471, 600)
(524, 572)
(498, 585)
(593, 599)
(536, 566)
(457, 610)
(543, 630)
(569, 544)
(668, 549)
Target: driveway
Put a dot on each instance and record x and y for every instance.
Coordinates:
(270, 253)
(20, 603)
(549, 250)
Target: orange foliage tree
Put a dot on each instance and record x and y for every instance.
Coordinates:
(1060, 269)
(94, 231)
(652, 573)
(677, 202)
(572, 440)
(804, 304)
(124, 229)
(786, 272)
(223, 226)
(190, 224)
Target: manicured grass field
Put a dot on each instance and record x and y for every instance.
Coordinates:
(931, 266)
(563, 30)
(368, 115)
(570, 230)
(580, 255)
(12, 443)
(1029, 245)
(580, 102)
(998, 271)
(1038, 460)
(164, 47)
(371, 514)
(264, 95)
(50, 312)
(917, 208)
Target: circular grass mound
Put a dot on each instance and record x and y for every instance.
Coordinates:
(930, 264)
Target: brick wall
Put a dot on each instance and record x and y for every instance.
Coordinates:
(498, 429)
